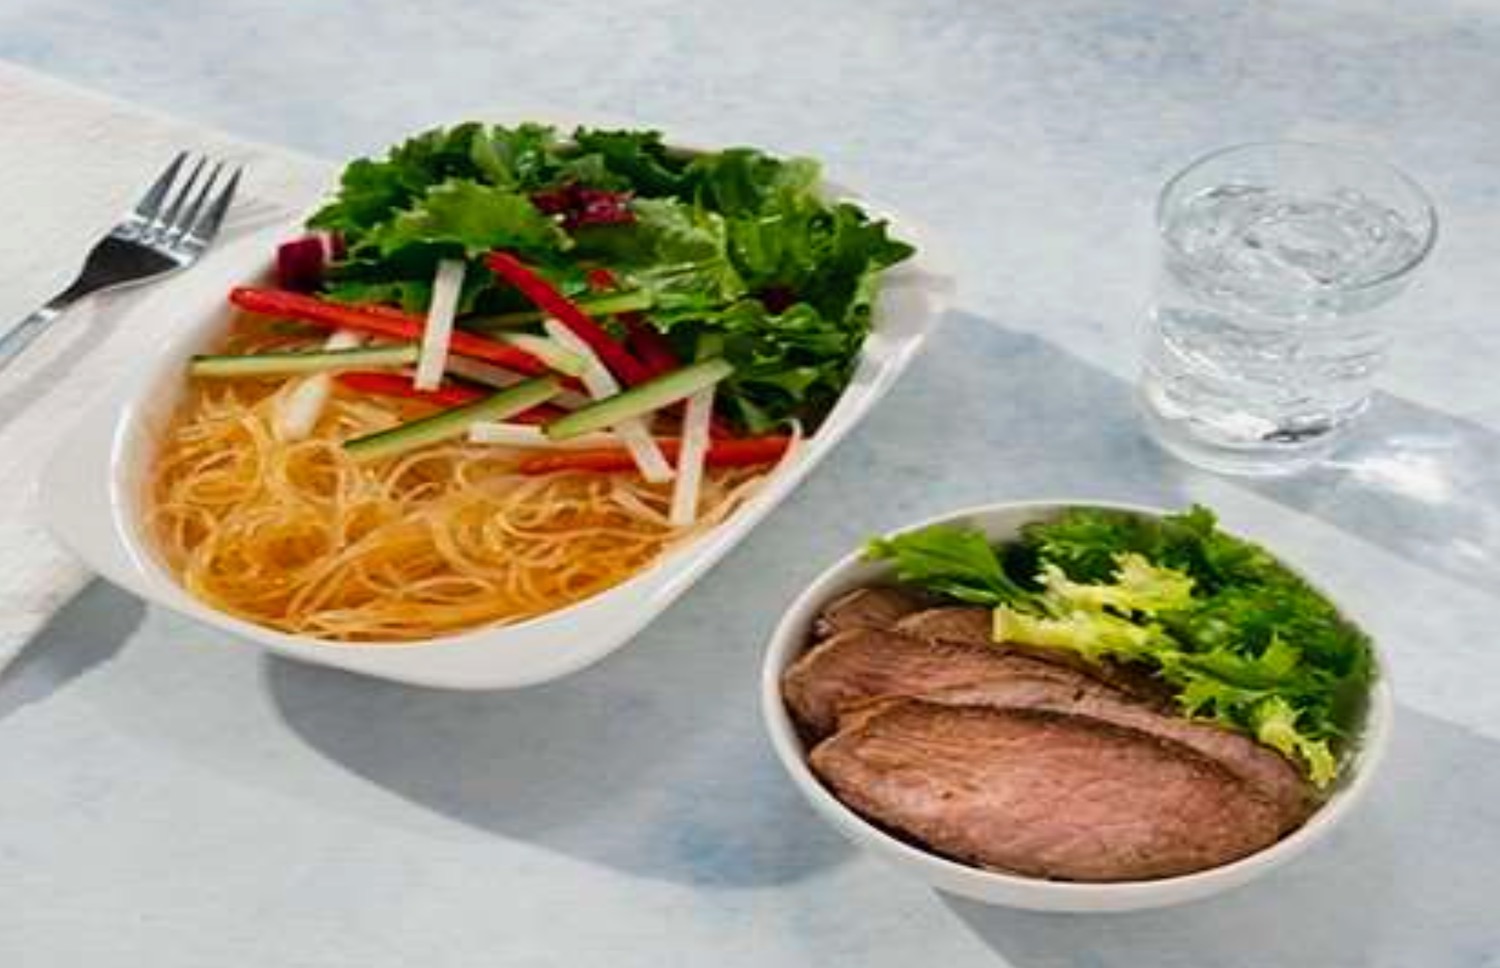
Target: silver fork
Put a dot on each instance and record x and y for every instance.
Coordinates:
(167, 230)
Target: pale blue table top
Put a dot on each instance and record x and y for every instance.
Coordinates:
(193, 804)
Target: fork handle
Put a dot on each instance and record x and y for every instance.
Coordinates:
(14, 340)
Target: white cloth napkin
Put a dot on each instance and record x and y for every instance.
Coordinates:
(71, 163)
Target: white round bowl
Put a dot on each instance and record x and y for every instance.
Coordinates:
(1003, 522)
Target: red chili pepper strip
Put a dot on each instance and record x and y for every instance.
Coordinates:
(381, 321)
(627, 368)
(649, 345)
(744, 452)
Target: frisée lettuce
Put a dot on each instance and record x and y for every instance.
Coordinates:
(1242, 640)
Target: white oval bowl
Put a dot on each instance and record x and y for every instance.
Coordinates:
(1003, 522)
(90, 490)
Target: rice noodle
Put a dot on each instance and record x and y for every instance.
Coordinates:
(295, 535)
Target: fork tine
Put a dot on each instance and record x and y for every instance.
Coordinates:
(183, 226)
(150, 202)
(207, 226)
(168, 219)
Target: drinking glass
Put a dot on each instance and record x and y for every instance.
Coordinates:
(1272, 315)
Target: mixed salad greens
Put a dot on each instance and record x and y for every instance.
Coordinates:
(736, 246)
(1243, 641)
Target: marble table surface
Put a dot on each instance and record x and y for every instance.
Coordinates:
(172, 798)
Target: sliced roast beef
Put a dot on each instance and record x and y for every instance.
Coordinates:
(864, 664)
(1271, 774)
(964, 623)
(951, 623)
(875, 607)
(1022, 684)
(1044, 793)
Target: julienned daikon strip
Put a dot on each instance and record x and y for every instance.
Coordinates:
(548, 351)
(291, 364)
(447, 285)
(695, 423)
(601, 385)
(500, 378)
(526, 435)
(302, 403)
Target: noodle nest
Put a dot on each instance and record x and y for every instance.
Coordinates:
(298, 536)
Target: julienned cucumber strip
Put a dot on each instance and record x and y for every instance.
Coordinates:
(611, 305)
(452, 423)
(642, 399)
(288, 364)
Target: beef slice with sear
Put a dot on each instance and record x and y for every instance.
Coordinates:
(1044, 793)
(1271, 774)
(862, 664)
(875, 606)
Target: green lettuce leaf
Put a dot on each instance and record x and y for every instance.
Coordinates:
(470, 219)
(1242, 640)
(1137, 586)
(737, 245)
(411, 295)
(954, 561)
(371, 191)
(743, 182)
(640, 159)
(1094, 635)
(523, 157)
(1275, 724)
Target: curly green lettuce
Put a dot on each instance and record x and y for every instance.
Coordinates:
(1242, 640)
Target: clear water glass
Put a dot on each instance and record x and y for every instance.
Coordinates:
(1273, 310)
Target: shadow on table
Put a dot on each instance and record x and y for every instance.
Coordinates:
(86, 633)
(1409, 880)
(653, 761)
(650, 762)
(1421, 483)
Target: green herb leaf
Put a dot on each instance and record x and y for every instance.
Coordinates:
(471, 219)
(640, 159)
(1138, 586)
(523, 157)
(953, 561)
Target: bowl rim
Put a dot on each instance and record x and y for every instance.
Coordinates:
(788, 640)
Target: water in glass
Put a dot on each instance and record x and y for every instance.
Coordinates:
(1267, 330)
